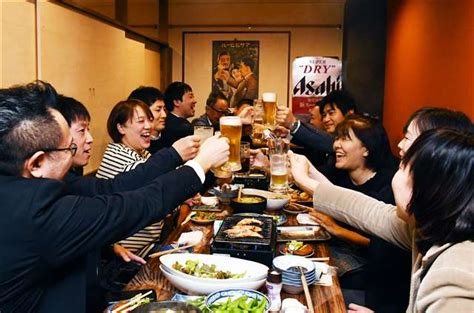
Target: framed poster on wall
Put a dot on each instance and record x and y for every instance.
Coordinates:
(269, 50)
(235, 69)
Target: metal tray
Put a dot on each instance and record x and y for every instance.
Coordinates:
(302, 233)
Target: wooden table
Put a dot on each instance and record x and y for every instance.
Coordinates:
(325, 298)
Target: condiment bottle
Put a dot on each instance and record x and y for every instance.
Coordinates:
(273, 289)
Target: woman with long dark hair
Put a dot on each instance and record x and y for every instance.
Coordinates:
(433, 216)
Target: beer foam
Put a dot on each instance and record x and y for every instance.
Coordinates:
(269, 96)
(230, 120)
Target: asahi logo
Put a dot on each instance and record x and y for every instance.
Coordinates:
(304, 88)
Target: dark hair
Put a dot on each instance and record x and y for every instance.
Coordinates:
(249, 62)
(121, 113)
(442, 168)
(374, 138)
(222, 53)
(214, 96)
(175, 91)
(340, 99)
(149, 95)
(244, 101)
(71, 109)
(430, 117)
(26, 124)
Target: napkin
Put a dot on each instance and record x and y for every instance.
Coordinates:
(189, 238)
(324, 270)
(305, 219)
(290, 305)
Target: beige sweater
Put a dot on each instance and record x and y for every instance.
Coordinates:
(442, 280)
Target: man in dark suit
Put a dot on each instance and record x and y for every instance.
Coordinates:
(180, 103)
(217, 106)
(248, 87)
(48, 227)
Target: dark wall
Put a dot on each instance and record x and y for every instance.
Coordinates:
(363, 53)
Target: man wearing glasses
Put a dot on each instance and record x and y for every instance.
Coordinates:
(217, 106)
(46, 227)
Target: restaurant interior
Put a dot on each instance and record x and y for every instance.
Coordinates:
(396, 56)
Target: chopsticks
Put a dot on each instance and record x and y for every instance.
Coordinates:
(132, 303)
(307, 295)
(301, 206)
(188, 218)
(157, 254)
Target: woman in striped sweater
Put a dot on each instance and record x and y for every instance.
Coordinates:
(129, 125)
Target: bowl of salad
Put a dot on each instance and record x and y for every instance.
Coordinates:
(237, 300)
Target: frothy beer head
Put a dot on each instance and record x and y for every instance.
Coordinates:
(269, 97)
(230, 121)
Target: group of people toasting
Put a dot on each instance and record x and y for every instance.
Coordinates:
(55, 223)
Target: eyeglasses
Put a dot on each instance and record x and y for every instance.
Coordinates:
(223, 112)
(72, 148)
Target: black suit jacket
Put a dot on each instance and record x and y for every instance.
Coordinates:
(176, 128)
(47, 227)
(317, 144)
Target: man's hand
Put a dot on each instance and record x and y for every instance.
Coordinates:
(246, 115)
(284, 116)
(214, 152)
(187, 147)
(127, 255)
(259, 160)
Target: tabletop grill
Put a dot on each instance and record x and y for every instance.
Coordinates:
(260, 250)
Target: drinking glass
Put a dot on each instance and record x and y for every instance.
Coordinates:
(245, 157)
(269, 109)
(204, 132)
(231, 127)
(279, 172)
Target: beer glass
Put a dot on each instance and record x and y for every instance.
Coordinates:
(231, 127)
(257, 124)
(269, 109)
(204, 132)
(245, 157)
(279, 169)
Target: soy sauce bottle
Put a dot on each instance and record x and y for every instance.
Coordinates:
(274, 285)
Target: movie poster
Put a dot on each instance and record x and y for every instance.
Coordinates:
(314, 78)
(235, 69)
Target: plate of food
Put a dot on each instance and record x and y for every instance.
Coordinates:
(302, 233)
(295, 208)
(300, 196)
(295, 247)
(202, 217)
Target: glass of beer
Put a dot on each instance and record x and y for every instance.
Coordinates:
(279, 169)
(245, 157)
(257, 124)
(279, 172)
(231, 127)
(204, 132)
(269, 110)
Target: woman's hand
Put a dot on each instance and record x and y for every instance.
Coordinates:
(127, 255)
(326, 221)
(196, 200)
(355, 308)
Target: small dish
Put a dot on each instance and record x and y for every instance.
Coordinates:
(221, 296)
(310, 251)
(202, 217)
(249, 204)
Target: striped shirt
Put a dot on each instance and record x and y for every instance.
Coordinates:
(119, 158)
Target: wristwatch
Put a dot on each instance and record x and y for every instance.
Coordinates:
(294, 126)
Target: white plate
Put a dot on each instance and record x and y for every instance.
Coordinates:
(285, 261)
(253, 270)
(192, 287)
